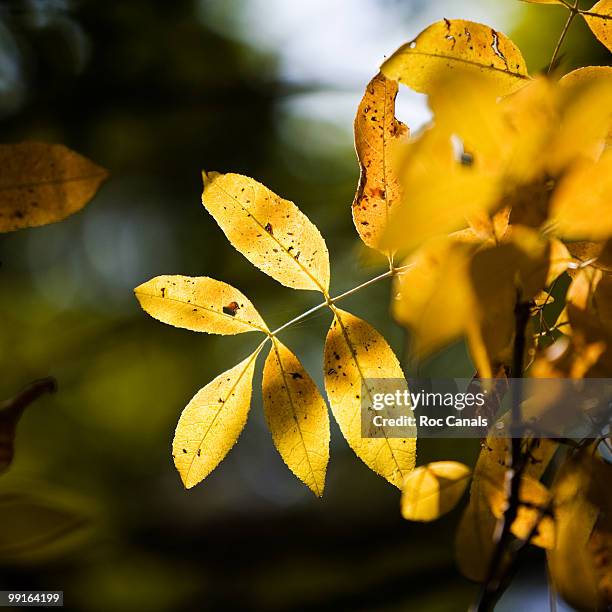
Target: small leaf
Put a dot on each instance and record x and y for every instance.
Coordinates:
(581, 207)
(432, 490)
(212, 421)
(599, 19)
(534, 504)
(377, 134)
(201, 304)
(455, 44)
(355, 355)
(44, 183)
(272, 233)
(297, 417)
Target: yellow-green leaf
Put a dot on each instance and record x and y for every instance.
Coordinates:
(43, 183)
(581, 207)
(201, 304)
(272, 233)
(599, 19)
(377, 134)
(355, 355)
(39, 524)
(212, 421)
(456, 44)
(432, 490)
(297, 417)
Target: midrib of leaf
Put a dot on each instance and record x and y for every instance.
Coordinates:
(354, 356)
(469, 62)
(56, 181)
(597, 15)
(290, 397)
(273, 237)
(384, 154)
(217, 312)
(222, 406)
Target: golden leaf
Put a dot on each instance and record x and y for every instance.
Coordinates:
(432, 490)
(433, 296)
(212, 421)
(377, 133)
(356, 355)
(272, 233)
(534, 509)
(455, 44)
(599, 19)
(576, 572)
(581, 207)
(474, 542)
(200, 304)
(44, 183)
(297, 417)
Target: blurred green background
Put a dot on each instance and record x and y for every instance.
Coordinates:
(156, 91)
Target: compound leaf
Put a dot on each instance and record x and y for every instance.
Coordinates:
(456, 44)
(272, 233)
(212, 421)
(44, 183)
(297, 417)
(432, 490)
(356, 357)
(200, 304)
(377, 134)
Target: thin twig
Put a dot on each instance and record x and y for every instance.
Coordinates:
(573, 11)
(16, 405)
(333, 300)
(491, 588)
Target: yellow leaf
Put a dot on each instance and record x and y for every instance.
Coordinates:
(455, 44)
(433, 296)
(212, 421)
(433, 490)
(572, 565)
(377, 133)
(201, 304)
(534, 508)
(43, 183)
(439, 193)
(355, 356)
(599, 19)
(475, 542)
(581, 207)
(272, 233)
(297, 417)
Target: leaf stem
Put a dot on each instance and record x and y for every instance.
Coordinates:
(573, 11)
(332, 300)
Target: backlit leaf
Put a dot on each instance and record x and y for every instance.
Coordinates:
(377, 133)
(297, 417)
(581, 206)
(534, 509)
(456, 44)
(272, 233)
(432, 490)
(44, 183)
(578, 574)
(475, 542)
(201, 304)
(212, 421)
(599, 19)
(355, 353)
